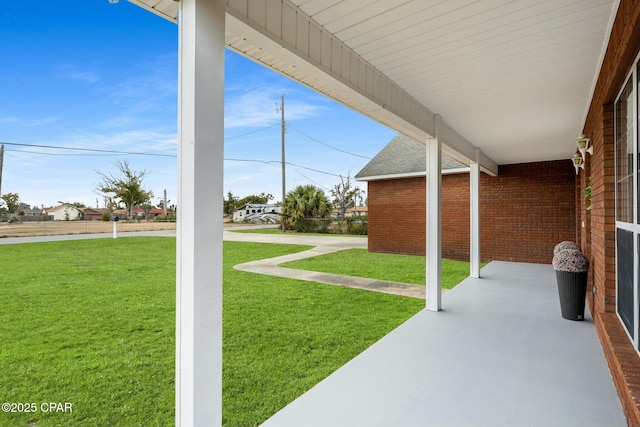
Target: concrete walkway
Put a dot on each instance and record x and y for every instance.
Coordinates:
(322, 245)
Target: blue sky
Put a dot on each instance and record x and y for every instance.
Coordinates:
(94, 75)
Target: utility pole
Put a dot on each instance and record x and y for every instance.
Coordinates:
(1, 160)
(284, 188)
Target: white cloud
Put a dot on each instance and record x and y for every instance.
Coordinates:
(150, 86)
(258, 108)
(44, 121)
(121, 121)
(76, 72)
(39, 122)
(142, 140)
(70, 175)
(83, 76)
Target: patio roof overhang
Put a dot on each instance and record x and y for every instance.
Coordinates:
(511, 78)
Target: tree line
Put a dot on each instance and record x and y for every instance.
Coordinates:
(303, 203)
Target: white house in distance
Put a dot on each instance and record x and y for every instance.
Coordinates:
(64, 212)
(257, 213)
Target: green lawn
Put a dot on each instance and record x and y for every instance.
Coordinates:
(396, 268)
(92, 322)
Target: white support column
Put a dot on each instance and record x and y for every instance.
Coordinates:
(199, 231)
(474, 178)
(434, 222)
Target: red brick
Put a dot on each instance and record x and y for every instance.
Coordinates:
(524, 212)
(624, 362)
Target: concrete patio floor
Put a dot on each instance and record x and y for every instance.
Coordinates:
(499, 354)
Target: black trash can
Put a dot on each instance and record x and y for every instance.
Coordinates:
(572, 289)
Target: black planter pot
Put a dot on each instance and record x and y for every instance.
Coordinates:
(572, 289)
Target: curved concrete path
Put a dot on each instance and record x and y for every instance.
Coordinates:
(322, 245)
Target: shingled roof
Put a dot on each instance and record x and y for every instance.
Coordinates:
(403, 157)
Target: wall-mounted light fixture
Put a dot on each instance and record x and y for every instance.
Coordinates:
(578, 161)
(584, 146)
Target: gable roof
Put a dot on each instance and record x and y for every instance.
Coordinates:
(404, 157)
(138, 211)
(91, 211)
(62, 206)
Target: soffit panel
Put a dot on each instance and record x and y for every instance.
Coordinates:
(512, 77)
(504, 74)
(167, 9)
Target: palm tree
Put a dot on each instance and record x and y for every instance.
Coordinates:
(304, 206)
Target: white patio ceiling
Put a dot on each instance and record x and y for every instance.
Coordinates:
(513, 78)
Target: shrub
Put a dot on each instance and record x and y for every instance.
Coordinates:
(106, 216)
(311, 225)
(570, 260)
(168, 218)
(357, 225)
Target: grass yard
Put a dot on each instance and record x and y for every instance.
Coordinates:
(92, 323)
(392, 267)
(89, 322)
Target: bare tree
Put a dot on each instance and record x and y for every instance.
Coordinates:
(127, 188)
(344, 195)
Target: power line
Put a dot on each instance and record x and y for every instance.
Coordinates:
(289, 163)
(144, 154)
(63, 154)
(316, 183)
(327, 145)
(251, 132)
(315, 170)
(94, 150)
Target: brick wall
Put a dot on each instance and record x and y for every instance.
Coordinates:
(396, 216)
(525, 211)
(599, 233)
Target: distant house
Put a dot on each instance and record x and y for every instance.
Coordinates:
(94, 214)
(32, 215)
(64, 212)
(356, 211)
(139, 213)
(350, 212)
(31, 212)
(257, 213)
(155, 212)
